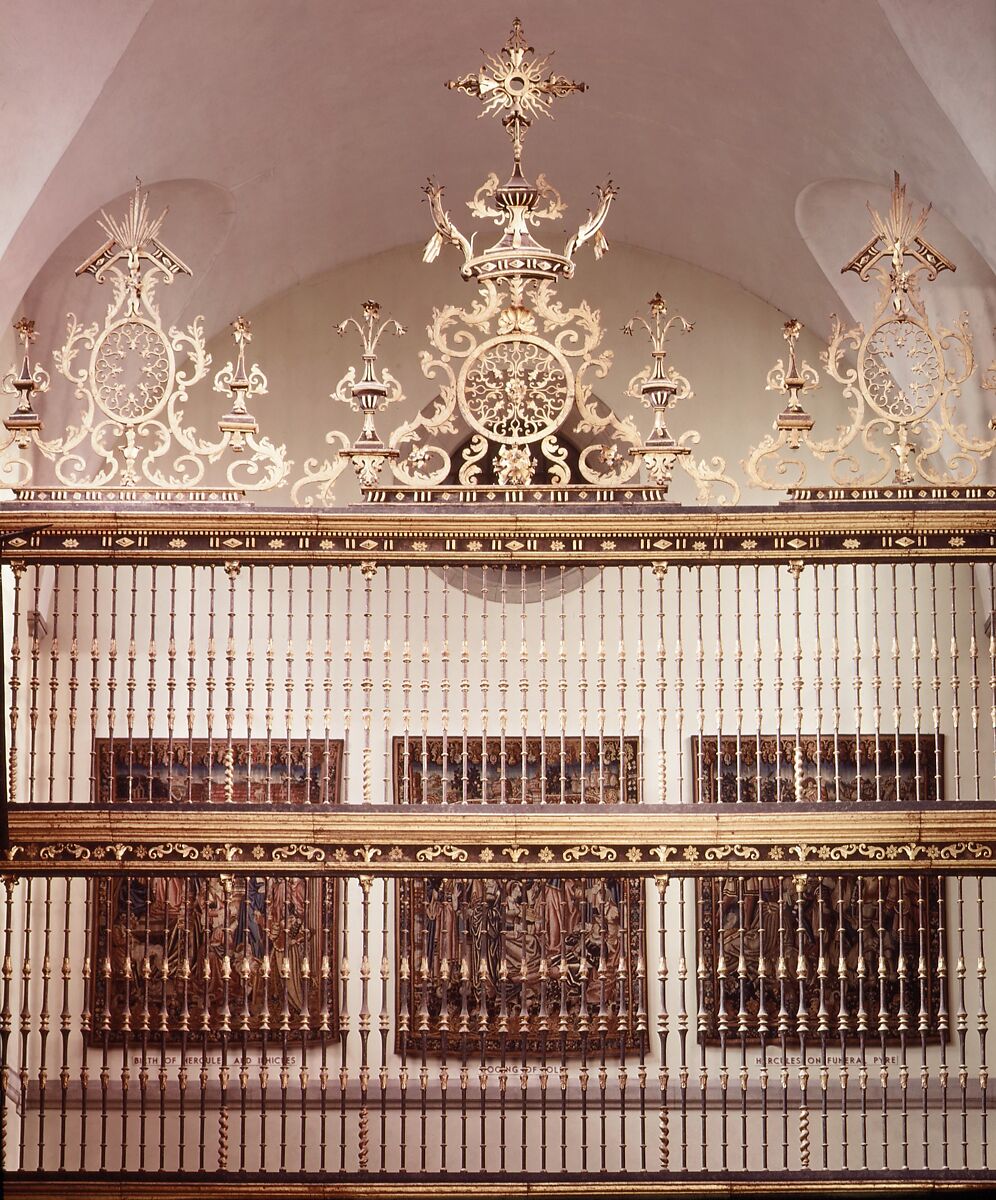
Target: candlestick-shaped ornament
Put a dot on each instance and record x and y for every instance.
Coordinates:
(242, 384)
(369, 394)
(30, 380)
(659, 387)
(793, 380)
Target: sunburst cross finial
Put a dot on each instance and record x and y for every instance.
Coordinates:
(513, 86)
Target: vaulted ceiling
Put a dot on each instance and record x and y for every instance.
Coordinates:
(302, 130)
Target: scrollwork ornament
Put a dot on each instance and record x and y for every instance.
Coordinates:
(132, 377)
(430, 853)
(901, 377)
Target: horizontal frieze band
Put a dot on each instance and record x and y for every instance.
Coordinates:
(502, 840)
(931, 530)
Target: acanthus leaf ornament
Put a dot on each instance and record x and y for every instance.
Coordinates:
(132, 376)
(907, 373)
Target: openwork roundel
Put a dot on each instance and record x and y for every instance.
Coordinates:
(131, 370)
(515, 390)
(902, 370)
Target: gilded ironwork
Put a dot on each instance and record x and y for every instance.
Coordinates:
(133, 434)
(906, 376)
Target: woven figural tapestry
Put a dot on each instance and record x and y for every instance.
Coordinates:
(275, 933)
(213, 771)
(515, 770)
(850, 920)
(522, 965)
(885, 767)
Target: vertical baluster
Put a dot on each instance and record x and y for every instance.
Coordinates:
(758, 684)
(246, 968)
(743, 1025)
(328, 891)
(86, 1013)
(738, 685)
(562, 684)
(818, 682)
(660, 571)
(65, 1020)
(843, 1012)
(663, 1023)
(703, 1016)
(896, 681)
(700, 687)
(543, 683)
(955, 685)
(289, 705)
(642, 1027)
(641, 697)
(363, 1026)
(543, 1024)
(165, 975)
(405, 897)
(284, 895)
(923, 1017)
(603, 1007)
(903, 1019)
(44, 1018)
(860, 916)
(34, 686)
(387, 719)
(917, 685)
(24, 1017)
(503, 686)
(131, 682)
(53, 684)
(94, 692)
(943, 1020)
(990, 627)
(192, 653)
(857, 683)
(330, 775)
(367, 570)
(270, 686)
(876, 682)
(423, 1030)
(622, 689)
(982, 1025)
(406, 693)
(781, 973)
(249, 653)
(796, 568)
(522, 922)
(464, 685)
(232, 571)
(225, 1021)
(344, 1022)
(935, 683)
(107, 974)
(210, 656)
(145, 1021)
(564, 984)
(683, 1070)
(974, 682)
(802, 1020)
(835, 679)
(823, 1019)
(779, 682)
(883, 1023)
(384, 1022)
(485, 682)
(425, 685)
(523, 689)
(74, 657)
(601, 684)
(582, 655)
(463, 1033)
(723, 1027)
(444, 685)
(763, 1027)
(310, 796)
(151, 705)
(718, 659)
(208, 885)
(170, 687)
(503, 1023)
(623, 1013)
(17, 569)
